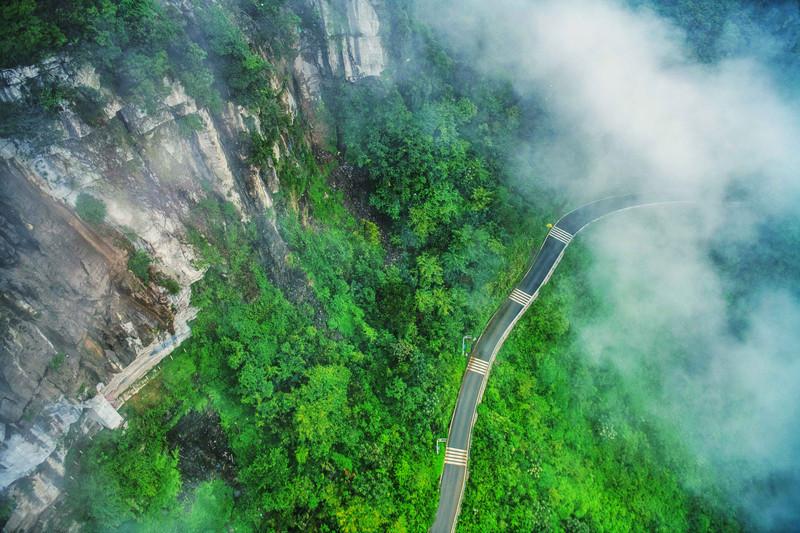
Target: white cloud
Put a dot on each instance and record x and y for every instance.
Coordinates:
(632, 112)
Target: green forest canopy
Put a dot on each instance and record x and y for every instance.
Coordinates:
(331, 402)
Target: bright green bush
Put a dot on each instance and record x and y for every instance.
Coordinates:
(189, 124)
(139, 263)
(172, 286)
(242, 69)
(124, 475)
(90, 209)
(57, 361)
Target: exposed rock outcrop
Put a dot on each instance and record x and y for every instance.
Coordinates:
(71, 314)
(348, 45)
(24, 451)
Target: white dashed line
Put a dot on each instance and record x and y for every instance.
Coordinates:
(478, 365)
(520, 297)
(559, 234)
(455, 456)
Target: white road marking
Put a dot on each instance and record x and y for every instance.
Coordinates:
(458, 456)
(559, 234)
(520, 297)
(455, 456)
(478, 365)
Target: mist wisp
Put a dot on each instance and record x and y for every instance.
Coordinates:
(631, 110)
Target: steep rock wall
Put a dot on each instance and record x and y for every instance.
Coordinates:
(347, 45)
(74, 322)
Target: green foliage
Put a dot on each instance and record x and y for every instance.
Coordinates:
(128, 42)
(275, 24)
(567, 441)
(133, 43)
(332, 391)
(90, 209)
(301, 405)
(136, 44)
(26, 33)
(208, 508)
(322, 411)
(139, 263)
(172, 286)
(128, 474)
(243, 70)
(212, 508)
(371, 232)
(427, 179)
(50, 96)
(195, 75)
(703, 21)
(6, 509)
(261, 150)
(189, 124)
(57, 361)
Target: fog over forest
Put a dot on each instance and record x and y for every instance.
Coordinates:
(285, 265)
(630, 108)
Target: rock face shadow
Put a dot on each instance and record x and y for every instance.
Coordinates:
(203, 449)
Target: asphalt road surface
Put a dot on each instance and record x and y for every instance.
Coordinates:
(483, 352)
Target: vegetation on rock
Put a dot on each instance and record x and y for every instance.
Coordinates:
(90, 209)
(139, 263)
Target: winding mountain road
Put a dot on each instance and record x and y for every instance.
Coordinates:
(482, 356)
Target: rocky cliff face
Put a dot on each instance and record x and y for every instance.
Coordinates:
(74, 321)
(347, 45)
(73, 317)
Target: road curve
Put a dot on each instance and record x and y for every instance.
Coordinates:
(454, 475)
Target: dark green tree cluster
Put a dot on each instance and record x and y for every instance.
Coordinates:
(136, 44)
(27, 33)
(139, 263)
(320, 442)
(446, 209)
(127, 475)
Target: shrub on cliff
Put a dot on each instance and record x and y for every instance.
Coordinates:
(172, 286)
(90, 209)
(139, 264)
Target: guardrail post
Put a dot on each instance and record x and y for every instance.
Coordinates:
(441, 440)
(464, 344)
